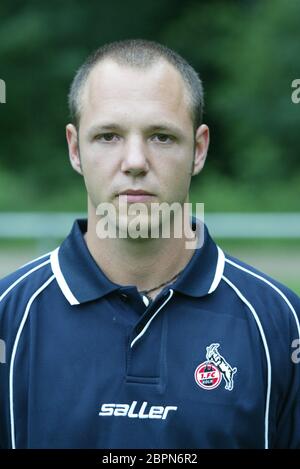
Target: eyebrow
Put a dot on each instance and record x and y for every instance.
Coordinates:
(160, 127)
(166, 127)
(103, 127)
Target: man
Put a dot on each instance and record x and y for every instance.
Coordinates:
(135, 341)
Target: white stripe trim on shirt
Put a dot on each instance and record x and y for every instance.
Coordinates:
(219, 271)
(151, 319)
(37, 267)
(265, 344)
(283, 296)
(61, 279)
(14, 350)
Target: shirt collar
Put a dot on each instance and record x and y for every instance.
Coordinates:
(82, 280)
(204, 271)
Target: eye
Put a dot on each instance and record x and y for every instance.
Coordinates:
(163, 138)
(107, 137)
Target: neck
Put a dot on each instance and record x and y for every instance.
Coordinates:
(144, 262)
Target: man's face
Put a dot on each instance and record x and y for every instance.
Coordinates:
(136, 133)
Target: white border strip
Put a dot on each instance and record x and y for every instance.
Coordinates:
(60, 278)
(219, 271)
(269, 367)
(272, 286)
(151, 319)
(22, 277)
(14, 350)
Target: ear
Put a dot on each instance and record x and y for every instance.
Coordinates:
(201, 148)
(73, 145)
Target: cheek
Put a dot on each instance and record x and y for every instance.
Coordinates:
(97, 165)
(95, 178)
(175, 179)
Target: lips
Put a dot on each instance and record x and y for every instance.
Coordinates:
(135, 192)
(136, 195)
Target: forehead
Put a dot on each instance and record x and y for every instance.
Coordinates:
(116, 88)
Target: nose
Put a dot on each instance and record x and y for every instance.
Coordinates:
(134, 159)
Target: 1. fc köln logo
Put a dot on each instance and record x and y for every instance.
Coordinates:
(209, 374)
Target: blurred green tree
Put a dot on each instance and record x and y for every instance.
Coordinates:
(247, 54)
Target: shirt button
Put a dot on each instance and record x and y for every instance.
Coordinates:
(146, 300)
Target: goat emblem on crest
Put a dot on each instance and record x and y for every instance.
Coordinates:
(209, 374)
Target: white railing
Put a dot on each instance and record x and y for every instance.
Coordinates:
(221, 225)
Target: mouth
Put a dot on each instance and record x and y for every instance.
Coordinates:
(138, 195)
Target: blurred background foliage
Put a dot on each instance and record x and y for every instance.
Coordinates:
(246, 52)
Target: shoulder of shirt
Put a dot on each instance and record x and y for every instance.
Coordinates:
(253, 282)
(32, 273)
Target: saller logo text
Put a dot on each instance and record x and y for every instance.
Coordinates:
(134, 412)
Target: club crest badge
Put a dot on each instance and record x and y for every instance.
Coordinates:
(209, 374)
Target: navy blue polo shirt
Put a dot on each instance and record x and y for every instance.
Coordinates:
(212, 362)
